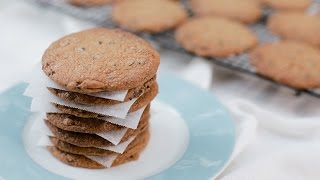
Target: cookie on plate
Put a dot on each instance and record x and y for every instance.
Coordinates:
(86, 125)
(141, 102)
(246, 11)
(151, 16)
(77, 160)
(93, 140)
(287, 5)
(87, 99)
(99, 60)
(89, 2)
(84, 69)
(215, 37)
(296, 26)
(294, 64)
(93, 151)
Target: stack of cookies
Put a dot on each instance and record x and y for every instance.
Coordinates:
(91, 126)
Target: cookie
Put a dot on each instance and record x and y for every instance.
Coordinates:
(135, 151)
(92, 100)
(152, 16)
(291, 63)
(288, 5)
(82, 161)
(296, 26)
(85, 125)
(92, 151)
(142, 101)
(70, 148)
(100, 59)
(89, 2)
(93, 140)
(240, 10)
(215, 37)
(74, 159)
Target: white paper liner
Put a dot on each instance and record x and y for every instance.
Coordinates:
(114, 136)
(118, 110)
(131, 121)
(120, 148)
(39, 78)
(105, 161)
(43, 106)
(42, 94)
(42, 130)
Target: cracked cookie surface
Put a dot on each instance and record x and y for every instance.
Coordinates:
(100, 59)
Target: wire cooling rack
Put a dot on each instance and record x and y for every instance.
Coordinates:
(101, 16)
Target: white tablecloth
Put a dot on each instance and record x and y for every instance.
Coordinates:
(278, 133)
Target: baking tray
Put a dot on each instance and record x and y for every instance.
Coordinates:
(101, 16)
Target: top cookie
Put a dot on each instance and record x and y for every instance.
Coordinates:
(148, 15)
(296, 26)
(215, 37)
(100, 59)
(291, 63)
(89, 2)
(288, 5)
(246, 11)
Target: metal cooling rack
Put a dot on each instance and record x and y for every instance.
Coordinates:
(102, 17)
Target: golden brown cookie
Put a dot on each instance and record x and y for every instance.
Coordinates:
(74, 159)
(92, 151)
(246, 11)
(148, 15)
(100, 59)
(93, 140)
(83, 161)
(142, 101)
(89, 2)
(215, 37)
(92, 100)
(85, 125)
(287, 5)
(70, 148)
(296, 26)
(292, 63)
(135, 151)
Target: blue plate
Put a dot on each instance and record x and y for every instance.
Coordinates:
(211, 131)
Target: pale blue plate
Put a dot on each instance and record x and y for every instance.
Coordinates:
(211, 130)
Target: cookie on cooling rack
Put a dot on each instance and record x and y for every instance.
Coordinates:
(246, 11)
(89, 2)
(292, 63)
(296, 26)
(287, 5)
(152, 16)
(215, 37)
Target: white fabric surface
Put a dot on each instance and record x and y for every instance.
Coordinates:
(278, 133)
(279, 142)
